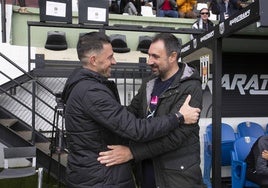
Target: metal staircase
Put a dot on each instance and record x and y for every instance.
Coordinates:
(27, 106)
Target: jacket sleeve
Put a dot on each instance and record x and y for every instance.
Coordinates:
(101, 106)
(214, 6)
(173, 3)
(159, 3)
(261, 166)
(174, 139)
(261, 163)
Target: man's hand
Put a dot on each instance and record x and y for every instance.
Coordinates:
(264, 154)
(117, 154)
(190, 114)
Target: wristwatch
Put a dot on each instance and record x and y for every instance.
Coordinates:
(179, 117)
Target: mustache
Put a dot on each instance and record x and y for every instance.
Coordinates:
(153, 66)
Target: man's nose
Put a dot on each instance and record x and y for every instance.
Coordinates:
(150, 61)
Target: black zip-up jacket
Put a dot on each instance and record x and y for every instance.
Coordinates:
(95, 119)
(176, 157)
(255, 162)
(257, 167)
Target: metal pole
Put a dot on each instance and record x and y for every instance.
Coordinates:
(33, 110)
(216, 114)
(3, 20)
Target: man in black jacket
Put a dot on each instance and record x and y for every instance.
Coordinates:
(95, 118)
(225, 8)
(257, 162)
(172, 161)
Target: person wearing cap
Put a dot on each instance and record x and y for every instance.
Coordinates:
(203, 22)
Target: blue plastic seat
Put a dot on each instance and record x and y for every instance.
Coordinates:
(228, 136)
(248, 128)
(242, 147)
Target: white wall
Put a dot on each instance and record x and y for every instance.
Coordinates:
(8, 22)
(17, 54)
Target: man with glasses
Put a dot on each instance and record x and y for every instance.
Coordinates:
(202, 22)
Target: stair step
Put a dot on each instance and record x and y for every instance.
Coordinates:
(26, 135)
(63, 158)
(43, 146)
(8, 122)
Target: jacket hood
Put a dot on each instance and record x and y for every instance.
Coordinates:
(76, 76)
(189, 72)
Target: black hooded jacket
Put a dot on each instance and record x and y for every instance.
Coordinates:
(175, 157)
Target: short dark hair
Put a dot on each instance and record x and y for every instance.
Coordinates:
(92, 41)
(172, 43)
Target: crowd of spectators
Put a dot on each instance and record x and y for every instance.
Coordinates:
(222, 9)
(165, 8)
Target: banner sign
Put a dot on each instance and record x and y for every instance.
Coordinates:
(244, 87)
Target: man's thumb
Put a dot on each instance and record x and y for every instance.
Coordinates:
(187, 100)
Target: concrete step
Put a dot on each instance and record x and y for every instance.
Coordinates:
(8, 122)
(63, 158)
(45, 147)
(26, 135)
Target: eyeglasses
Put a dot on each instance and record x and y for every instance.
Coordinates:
(204, 13)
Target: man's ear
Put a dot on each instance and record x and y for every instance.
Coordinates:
(92, 59)
(173, 56)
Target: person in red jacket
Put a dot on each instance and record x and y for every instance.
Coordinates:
(167, 8)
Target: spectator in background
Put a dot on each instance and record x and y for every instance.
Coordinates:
(186, 8)
(257, 162)
(203, 22)
(132, 7)
(167, 8)
(225, 8)
(151, 2)
(22, 3)
(114, 7)
(22, 8)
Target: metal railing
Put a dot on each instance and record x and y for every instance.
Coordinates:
(33, 99)
(24, 97)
